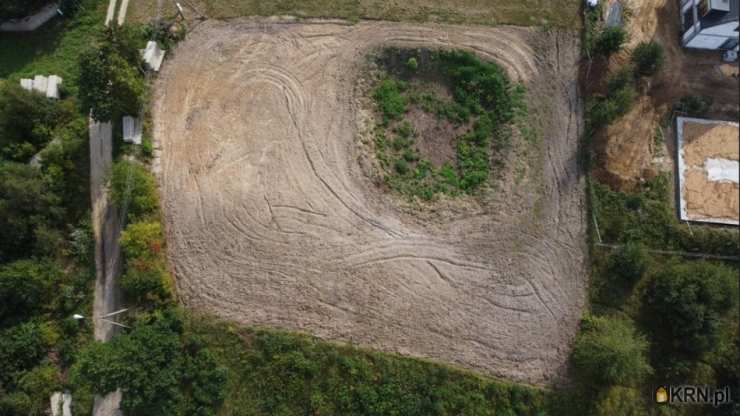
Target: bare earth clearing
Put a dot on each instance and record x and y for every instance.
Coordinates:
(273, 220)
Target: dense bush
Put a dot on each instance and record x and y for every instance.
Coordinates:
(389, 99)
(145, 278)
(26, 288)
(648, 58)
(21, 348)
(133, 189)
(28, 208)
(32, 395)
(693, 105)
(686, 303)
(610, 40)
(159, 370)
(609, 351)
(27, 120)
(620, 95)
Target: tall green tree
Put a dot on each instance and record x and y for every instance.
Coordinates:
(160, 370)
(687, 301)
(111, 81)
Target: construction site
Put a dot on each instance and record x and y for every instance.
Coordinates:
(272, 218)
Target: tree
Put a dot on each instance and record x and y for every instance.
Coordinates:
(27, 119)
(610, 40)
(609, 351)
(65, 164)
(687, 300)
(111, 84)
(26, 206)
(26, 287)
(21, 348)
(159, 371)
(648, 58)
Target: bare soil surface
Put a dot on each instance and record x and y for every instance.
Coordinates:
(435, 136)
(272, 219)
(627, 152)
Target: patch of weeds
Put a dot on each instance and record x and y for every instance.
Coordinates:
(482, 96)
(391, 103)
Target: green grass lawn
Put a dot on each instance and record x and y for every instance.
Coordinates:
(280, 373)
(53, 48)
(560, 13)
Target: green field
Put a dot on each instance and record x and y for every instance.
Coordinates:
(560, 13)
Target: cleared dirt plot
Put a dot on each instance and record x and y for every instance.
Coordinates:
(273, 219)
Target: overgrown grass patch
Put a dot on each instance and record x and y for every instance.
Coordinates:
(274, 372)
(482, 104)
(648, 216)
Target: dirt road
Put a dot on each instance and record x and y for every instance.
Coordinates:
(272, 219)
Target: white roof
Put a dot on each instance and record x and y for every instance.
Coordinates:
(49, 86)
(132, 130)
(153, 55)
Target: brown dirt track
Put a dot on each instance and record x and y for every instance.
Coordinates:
(272, 220)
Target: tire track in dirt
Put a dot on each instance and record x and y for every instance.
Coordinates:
(271, 220)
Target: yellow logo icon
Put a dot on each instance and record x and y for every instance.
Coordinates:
(661, 395)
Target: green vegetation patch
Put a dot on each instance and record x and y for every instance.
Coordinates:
(279, 373)
(469, 100)
(559, 13)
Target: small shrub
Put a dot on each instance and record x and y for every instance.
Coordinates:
(412, 64)
(619, 80)
(610, 40)
(405, 130)
(147, 147)
(648, 58)
(389, 99)
(401, 166)
(694, 106)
